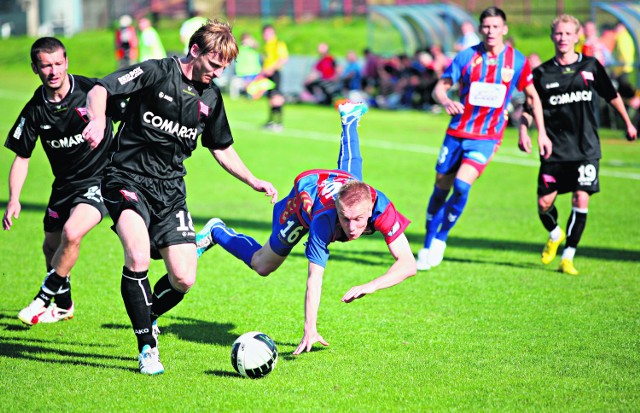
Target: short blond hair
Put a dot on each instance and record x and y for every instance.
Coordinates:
(565, 18)
(215, 35)
(352, 193)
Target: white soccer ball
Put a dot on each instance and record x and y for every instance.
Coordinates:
(254, 355)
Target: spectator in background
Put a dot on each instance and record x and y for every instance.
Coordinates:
(625, 55)
(592, 45)
(189, 27)
(534, 60)
(370, 72)
(276, 55)
(322, 82)
(248, 65)
(469, 37)
(440, 60)
(150, 44)
(352, 76)
(126, 42)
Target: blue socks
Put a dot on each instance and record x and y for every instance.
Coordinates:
(435, 212)
(441, 216)
(240, 246)
(454, 207)
(349, 158)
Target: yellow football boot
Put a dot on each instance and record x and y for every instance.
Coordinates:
(566, 266)
(550, 250)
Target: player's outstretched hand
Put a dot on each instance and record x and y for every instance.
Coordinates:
(13, 211)
(308, 340)
(268, 189)
(632, 133)
(358, 291)
(94, 132)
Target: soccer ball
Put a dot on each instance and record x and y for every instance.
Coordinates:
(254, 355)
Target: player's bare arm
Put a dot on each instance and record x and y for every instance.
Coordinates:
(618, 105)
(229, 159)
(544, 143)
(403, 268)
(311, 305)
(17, 177)
(440, 93)
(524, 140)
(96, 110)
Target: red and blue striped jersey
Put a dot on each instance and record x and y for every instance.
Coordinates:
(314, 201)
(495, 78)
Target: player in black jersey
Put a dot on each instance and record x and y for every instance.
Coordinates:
(567, 85)
(172, 102)
(57, 114)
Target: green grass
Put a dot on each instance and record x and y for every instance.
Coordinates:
(491, 329)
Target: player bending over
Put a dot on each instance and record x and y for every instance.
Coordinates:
(329, 205)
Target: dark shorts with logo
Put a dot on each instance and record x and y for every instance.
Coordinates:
(567, 177)
(275, 78)
(64, 199)
(160, 202)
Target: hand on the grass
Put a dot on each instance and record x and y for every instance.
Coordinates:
(308, 340)
(358, 291)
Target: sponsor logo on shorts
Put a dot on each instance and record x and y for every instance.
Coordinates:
(94, 194)
(128, 195)
(478, 157)
(548, 179)
(52, 214)
(137, 71)
(452, 217)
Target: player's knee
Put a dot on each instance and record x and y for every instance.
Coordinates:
(71, 236)
(137, 260)
(544, 204)
(580, 199)
(183, 284)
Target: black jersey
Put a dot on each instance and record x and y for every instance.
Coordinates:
(59, 126)
(569, 105)
(165, 115)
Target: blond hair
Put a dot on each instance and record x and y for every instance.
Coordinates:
(565, 18)
(352, 193)
(215, 35)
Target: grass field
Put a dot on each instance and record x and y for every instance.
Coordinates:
(491, 329)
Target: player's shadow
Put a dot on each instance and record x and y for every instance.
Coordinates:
(603, 253)
(190, 329)
(50, 351)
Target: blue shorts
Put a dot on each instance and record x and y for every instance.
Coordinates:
(286, 228)
(456, 151)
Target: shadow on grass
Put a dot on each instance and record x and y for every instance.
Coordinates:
(49, 352)
(365, 257)
(612, 254)
(190, 329)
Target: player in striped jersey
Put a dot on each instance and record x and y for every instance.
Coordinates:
(487, 74)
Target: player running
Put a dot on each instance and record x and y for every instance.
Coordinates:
(172, 102)
(567, 84)
(488, 74)
(57, 115)
(329, 205)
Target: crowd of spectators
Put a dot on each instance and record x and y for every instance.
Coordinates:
(407, 82)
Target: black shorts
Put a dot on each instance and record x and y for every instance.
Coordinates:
(62, 201)
(160, 202)
(567, 177)
(275, 78)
